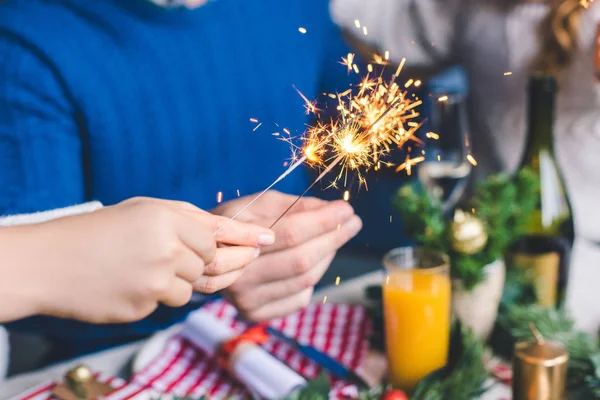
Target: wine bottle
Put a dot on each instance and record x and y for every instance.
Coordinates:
(550, 226)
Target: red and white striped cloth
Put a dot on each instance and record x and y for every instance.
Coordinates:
(183, 370)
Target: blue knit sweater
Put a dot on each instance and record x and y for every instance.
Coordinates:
(109, 99)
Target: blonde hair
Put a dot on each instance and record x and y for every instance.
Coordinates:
(559, 36)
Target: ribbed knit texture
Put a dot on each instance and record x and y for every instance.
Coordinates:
(109, 99)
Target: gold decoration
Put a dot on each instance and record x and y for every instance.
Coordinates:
(539, 369)
(80, 384)
(79, 374)
(468, 234)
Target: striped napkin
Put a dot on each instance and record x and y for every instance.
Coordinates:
(183, 370)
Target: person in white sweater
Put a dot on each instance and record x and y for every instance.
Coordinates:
(116, 264)
(490, 39)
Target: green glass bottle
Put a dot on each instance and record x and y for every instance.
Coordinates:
(550, 227)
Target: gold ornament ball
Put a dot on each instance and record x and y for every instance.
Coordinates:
(80, 374)
(468, 234)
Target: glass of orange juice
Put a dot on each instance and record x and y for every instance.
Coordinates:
(416, 303)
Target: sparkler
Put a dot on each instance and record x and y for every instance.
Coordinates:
(373, 118)
(290, 169)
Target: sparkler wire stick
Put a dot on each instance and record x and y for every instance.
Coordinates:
(325, 172)
(286, 173)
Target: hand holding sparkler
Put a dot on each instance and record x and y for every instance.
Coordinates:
(168, 247)
(281, 280)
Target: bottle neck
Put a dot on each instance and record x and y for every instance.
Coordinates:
(542, 91)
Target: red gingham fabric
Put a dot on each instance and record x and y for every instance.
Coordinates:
(183, 370)
(337, 329)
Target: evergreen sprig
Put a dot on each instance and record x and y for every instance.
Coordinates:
(502, 203)
(555, 325)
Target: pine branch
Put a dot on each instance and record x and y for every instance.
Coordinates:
(555, 325)
(501, 202)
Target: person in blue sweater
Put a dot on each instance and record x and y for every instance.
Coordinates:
(110, 99)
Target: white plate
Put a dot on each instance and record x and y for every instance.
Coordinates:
(152, 348)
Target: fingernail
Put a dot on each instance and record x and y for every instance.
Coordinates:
(346, 213)
(256, 253)
(354, 225)
(266, 240)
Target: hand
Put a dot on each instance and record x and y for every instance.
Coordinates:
(282, 279)
(118, 263)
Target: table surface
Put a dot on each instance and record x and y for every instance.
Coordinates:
(582, 300)
(116, 361)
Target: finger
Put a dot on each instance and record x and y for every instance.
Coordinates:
(279, 202)
(296, 229)
(190, 266)
(197, 237)
(277, 290)
(241, 233)
(173, 204)
(306, 204)
(211, 284)
(280, 308)
(297, 261)
(178, 295)
(230, 259)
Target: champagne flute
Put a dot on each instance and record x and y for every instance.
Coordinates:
(446, 169)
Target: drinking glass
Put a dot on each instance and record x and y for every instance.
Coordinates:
(446, 169)
(416, 302)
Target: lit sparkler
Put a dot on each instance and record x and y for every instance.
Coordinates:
(374, 118)
(377, 119)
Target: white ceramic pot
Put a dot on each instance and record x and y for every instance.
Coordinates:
(478, 308)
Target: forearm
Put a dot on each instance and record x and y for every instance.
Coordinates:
(25, 268)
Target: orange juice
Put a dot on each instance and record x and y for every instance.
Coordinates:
(417, 323)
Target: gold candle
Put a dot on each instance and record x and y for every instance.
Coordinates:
(539, 370)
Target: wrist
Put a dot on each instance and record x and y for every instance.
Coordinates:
(21, 286)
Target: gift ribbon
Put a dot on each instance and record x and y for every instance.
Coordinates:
(257, 334)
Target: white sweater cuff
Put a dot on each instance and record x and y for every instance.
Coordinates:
(44, 216)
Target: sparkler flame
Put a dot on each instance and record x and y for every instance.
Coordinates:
(373, 119)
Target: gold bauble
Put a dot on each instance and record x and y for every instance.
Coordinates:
(80, 374)
(467, 233)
